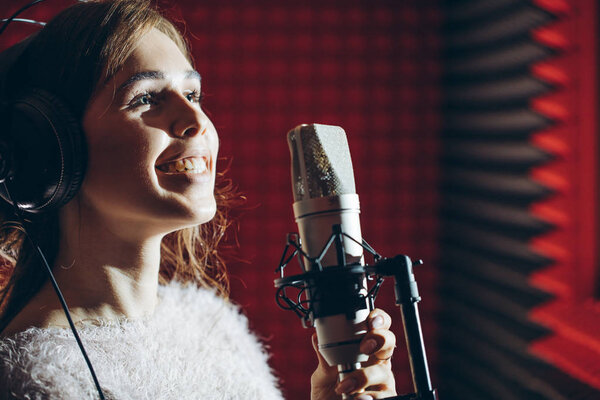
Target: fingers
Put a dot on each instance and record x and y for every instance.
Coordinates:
(376, 381)
(379, 319)
(379, 345)
(379, 342)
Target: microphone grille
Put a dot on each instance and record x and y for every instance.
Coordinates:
(321, 163)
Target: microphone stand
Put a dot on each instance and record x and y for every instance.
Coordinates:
(406, 292)
(407, 297)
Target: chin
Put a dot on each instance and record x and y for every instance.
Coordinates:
(201, 214)
(207, 215)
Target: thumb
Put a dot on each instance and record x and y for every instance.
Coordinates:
(315, 343)
(324, 379)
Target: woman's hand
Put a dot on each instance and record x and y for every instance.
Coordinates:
(375, 380)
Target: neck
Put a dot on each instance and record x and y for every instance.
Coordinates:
(106, 277)
(107, 270)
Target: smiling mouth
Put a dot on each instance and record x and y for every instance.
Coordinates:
(190, 165)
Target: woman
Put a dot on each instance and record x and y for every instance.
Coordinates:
(134, 250)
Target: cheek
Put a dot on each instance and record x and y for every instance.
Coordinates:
(213, 140)
(119, 162)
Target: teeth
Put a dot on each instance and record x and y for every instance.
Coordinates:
(199, 165)
(190, 165)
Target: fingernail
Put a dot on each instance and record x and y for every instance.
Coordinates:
(364, 397)
(346, 386)
(369, 346)
(377, 322)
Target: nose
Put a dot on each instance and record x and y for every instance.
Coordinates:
(188, 119)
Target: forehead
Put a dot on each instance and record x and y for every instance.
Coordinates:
(155, 51)
(155, 54)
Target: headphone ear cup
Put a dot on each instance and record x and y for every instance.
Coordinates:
(49, 152)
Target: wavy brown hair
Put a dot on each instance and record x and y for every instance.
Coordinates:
(72, 56)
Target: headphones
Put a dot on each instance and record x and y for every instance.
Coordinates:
(43, 154)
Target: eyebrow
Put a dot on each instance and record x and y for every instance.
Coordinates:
(155, 75)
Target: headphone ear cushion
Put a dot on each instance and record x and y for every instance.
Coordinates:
(48, 150)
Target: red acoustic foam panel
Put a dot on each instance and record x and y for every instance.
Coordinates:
(559, 7)
(551, 73)
(573, 315)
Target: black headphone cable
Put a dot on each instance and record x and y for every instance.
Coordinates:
(63, 303)
(19, 11)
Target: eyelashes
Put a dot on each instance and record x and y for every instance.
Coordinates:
(153, 98)
(195, 96)
(142, 99)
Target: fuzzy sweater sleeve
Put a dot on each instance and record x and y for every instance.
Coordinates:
(195, 346)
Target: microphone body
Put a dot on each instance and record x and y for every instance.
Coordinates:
(325, 200)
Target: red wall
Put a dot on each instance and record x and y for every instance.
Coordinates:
(370, 68)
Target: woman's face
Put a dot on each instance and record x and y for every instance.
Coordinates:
(152, 150)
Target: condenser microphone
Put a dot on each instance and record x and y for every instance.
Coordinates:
(325, 202)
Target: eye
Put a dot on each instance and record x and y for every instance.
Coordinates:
(144, 99)
(195, 96)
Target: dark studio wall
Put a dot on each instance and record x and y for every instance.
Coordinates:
(519, 316)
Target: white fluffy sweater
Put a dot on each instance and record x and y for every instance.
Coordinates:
(195, 346)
